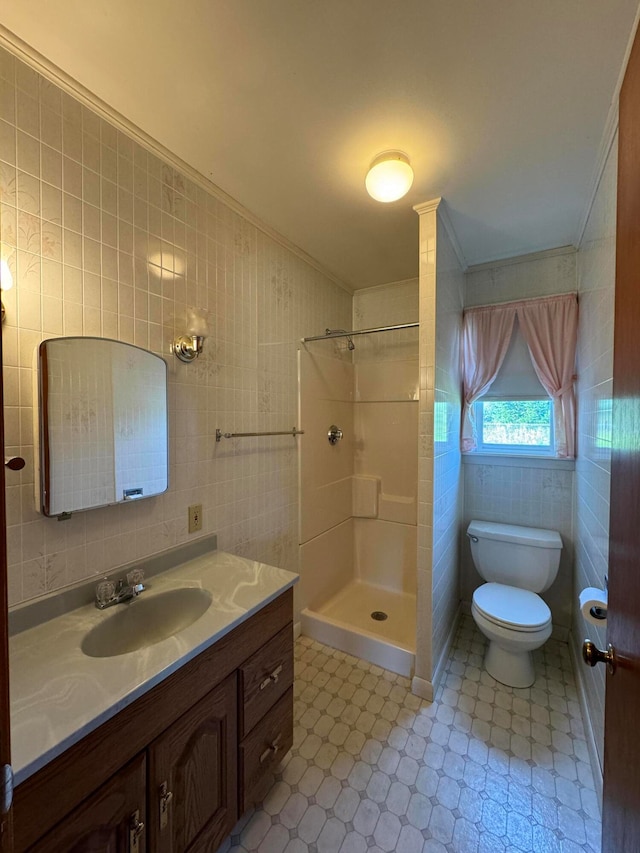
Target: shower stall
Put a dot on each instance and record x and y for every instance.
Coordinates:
(358, 482)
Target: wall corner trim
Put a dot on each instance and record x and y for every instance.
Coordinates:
(422, 688)
(443, 213)
(427, 206)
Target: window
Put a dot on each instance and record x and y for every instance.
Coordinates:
(516, 414)
(515, 426)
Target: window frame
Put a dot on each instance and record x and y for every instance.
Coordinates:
(535, 451)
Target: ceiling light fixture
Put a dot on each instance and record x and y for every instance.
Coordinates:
(389, 177)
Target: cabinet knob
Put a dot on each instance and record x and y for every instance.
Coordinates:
(136, 828)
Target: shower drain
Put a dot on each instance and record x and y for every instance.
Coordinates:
(379, 615)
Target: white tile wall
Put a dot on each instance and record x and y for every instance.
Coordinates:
(523, 277)
(106, 239)
(596, 283)
(447, 480)
(439, 492)
(523, 495)
(534, 497)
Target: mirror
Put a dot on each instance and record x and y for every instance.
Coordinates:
(102, 426)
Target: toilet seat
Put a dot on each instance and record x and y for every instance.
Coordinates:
(511, 607)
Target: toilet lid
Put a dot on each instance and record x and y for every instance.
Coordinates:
(514, 608)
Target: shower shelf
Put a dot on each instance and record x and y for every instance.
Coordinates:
(294, 431)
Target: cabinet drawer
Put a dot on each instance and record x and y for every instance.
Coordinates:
(265, 677)
(263, 749)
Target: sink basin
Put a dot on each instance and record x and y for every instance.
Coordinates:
(146, 621)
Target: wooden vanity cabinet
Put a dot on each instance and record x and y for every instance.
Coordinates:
(189, 756)
(192, 776)
(113, 820)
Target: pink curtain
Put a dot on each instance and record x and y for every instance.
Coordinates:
(550, 328)
(486, 334)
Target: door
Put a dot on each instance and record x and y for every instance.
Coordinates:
(6, 843)
(193, 776)
(111, 821)
(621, 806)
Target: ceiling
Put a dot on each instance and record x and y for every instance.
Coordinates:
(501, 106)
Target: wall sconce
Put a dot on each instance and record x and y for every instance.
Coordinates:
(389, 177)
(6, 280)
(188, 347)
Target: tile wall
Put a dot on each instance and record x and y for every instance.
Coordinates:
(439, 495)
(447, 479)
(503, 490)
(104, 238)
(596, 283)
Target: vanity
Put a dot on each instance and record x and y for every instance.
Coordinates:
(164, 747)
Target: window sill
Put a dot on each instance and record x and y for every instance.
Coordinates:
(509, 460)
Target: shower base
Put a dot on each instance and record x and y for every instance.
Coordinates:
(345, 622)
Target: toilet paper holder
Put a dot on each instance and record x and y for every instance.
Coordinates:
(598, 612)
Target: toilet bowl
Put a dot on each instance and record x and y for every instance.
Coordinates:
(517, 563)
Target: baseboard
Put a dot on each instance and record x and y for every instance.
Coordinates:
(586, 718)
(446, 651)
(297, 630)
(427, 689)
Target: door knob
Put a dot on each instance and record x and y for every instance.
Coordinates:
(592, 655)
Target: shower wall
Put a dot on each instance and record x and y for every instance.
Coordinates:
(386, 437)
(326, 472)
(359, 497)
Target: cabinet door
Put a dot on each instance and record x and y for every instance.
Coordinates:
(110, 821)
(193, 776)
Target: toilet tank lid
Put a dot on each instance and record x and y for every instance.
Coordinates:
(537, 537)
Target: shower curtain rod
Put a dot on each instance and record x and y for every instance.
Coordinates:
(360, 332)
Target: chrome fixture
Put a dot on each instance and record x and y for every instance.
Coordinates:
(341, 333)
(592, 655)
(294, 431)
(472, 538)
(334, 434)
(109, 593)
(188, 347)
(6, 282)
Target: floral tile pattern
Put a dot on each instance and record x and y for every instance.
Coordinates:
(483, 769)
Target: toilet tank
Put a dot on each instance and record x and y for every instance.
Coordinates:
(525, 557)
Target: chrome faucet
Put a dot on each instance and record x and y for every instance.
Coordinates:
(109, 593)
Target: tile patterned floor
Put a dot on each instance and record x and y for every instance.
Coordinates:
(483, 769)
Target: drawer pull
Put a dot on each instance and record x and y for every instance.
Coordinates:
(165, 799)
(272, 749)
(271, 678)
(136, 828)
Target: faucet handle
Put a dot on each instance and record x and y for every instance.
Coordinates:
(105, 591)
(135, 577)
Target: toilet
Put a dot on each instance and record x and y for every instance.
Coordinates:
(517, 563)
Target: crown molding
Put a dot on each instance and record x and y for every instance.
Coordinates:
(427, 206)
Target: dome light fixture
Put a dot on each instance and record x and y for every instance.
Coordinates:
(389, 177)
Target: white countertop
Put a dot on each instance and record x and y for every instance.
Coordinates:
(58, 694)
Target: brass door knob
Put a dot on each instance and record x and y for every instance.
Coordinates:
(592, 655)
